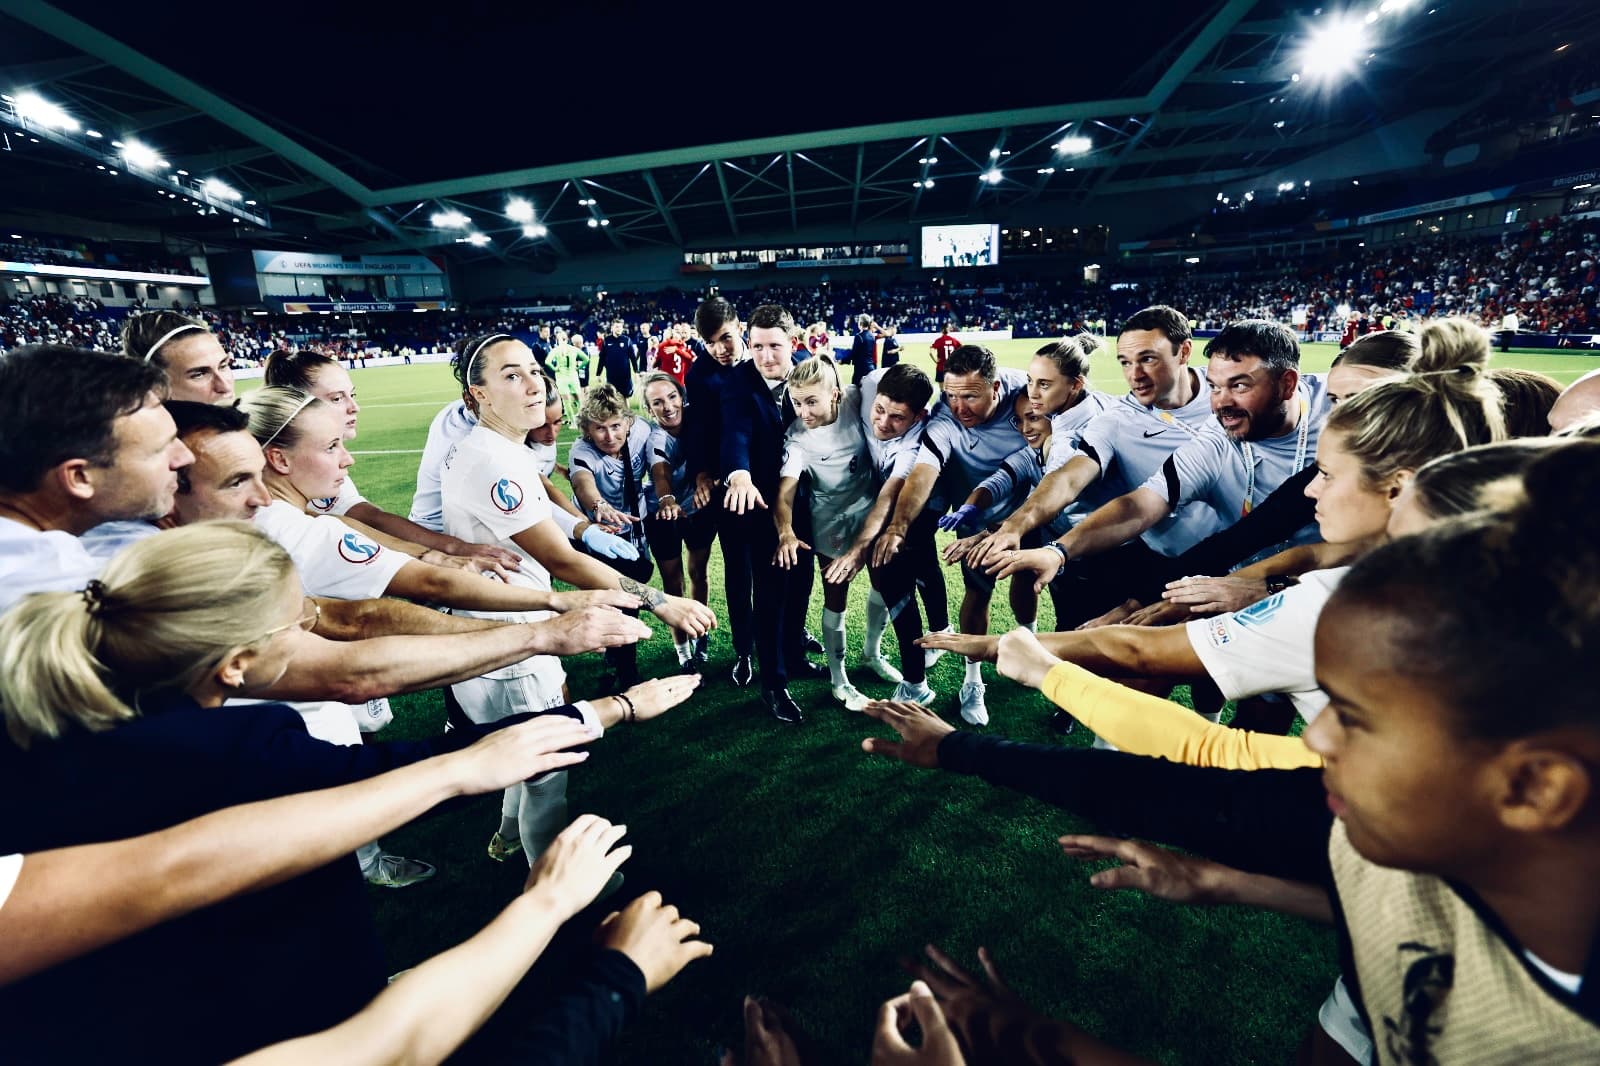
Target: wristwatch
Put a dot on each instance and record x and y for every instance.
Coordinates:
(1056, 546)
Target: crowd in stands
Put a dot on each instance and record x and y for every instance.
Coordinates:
(1551, 94)
(74, 251)
(1545, 272)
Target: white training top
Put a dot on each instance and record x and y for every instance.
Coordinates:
(10, 870)
(1267, 647)
(546, 456)
(839, 465)
(1130, 441)
(334, 560)
(108, 538)
(491, 491)
(34, 561)
(453, 422)
(348, 497)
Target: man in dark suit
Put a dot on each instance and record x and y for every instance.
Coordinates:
(864, 352)
(757, 414)
(722, 339)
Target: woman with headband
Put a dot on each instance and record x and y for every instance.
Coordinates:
(197, 367)
(491, 491)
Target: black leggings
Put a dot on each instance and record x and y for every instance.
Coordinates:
(915, 566)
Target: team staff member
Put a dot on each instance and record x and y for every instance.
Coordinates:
(1270, 415)
(968, 437)
(185, 350)
(610, 475)
(618, 355)
(894, 409)
(109, 454)
(940, 350)
(709, 394)
(891, 347)
(759, 414)
(677, 522)
(864, 352)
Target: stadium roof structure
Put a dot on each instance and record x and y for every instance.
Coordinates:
(1217, 97)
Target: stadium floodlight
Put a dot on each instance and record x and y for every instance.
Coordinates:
(1333, 48)
(180, 174)
(450, 220)
(249, 203)
(96, 134)
(992, 176)
(1192, 260)
(534, 230)
(1073, 145)
(594, 223)
(221, 190)
(519, 210)
(928, 184)
(994, 153)
(477, 240)
(41, 112)
(605, 222)
(141, 156)
(1045, 170)
(1249, 196)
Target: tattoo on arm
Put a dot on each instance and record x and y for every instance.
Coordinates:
(652, 597)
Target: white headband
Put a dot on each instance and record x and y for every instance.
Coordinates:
(165, 337)
(292, 416)
(480, 346)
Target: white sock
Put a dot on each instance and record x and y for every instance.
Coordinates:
(1032, 627)
(833, 645)
(368, 855)
(877, 619)
(974, 671)
(685, 650)
(510, 804)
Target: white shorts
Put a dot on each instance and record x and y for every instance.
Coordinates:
(485, 700)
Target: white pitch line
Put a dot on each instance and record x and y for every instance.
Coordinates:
(389, 451)
(413, 403)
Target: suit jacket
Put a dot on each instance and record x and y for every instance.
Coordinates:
(753, 428)
(702, 419)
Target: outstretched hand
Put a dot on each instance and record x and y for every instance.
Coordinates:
(1023, 659)
(771, 1037)
(655, 937)
(964, 644)
(1146, 868)
(578, 863)
(656, 697)
(590, 629)
(919, 728)
(519, 752)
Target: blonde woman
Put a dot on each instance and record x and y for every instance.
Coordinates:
(113, 699)
(826, 445)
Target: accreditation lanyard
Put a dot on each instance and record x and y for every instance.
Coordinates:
(1299, 457)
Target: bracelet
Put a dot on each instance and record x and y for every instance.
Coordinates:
(631, 715)
(669, 496)
(1056, 545)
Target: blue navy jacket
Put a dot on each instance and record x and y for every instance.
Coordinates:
(753, 428)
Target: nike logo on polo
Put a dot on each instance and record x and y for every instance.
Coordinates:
(1148, 434)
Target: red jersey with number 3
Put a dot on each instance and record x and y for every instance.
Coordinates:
(673, 358)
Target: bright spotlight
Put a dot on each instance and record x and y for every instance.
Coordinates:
(96, 134)
(141, 156)
(519, 210)
(605, 222)
(994, 153)
(534, 230)
(1074, 145)
(477, 240)
(1193, 259)
(928, 184)
(220, 190)
(1334, 48)
(42, 112)
(594, 223)
(449, 220)
(993, 177)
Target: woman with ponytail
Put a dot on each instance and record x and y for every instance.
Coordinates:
(113, 702)
(198, 369)
(324, 378)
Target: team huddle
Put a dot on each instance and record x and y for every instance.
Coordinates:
(1389, 570)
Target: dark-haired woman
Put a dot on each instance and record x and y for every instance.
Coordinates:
(198, 369)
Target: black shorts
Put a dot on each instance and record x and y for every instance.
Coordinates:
(639, 569)
(668, 539)
(1087, 588)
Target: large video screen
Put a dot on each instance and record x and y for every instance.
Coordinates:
(960, 246)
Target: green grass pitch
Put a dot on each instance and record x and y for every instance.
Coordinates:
(813, 867)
